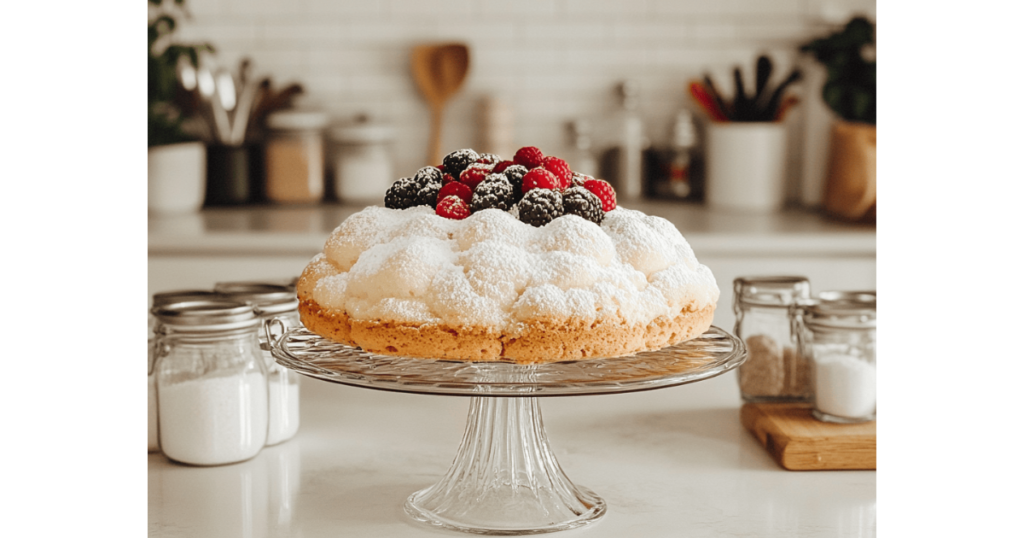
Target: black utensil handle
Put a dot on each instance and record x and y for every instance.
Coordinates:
(718, 98)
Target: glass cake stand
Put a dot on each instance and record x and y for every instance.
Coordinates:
(505, 479)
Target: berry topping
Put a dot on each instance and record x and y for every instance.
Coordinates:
(501, 166)
(529, 156)
(457, 189)
(402, 194)
(560, 169)
(514, 173)
(539, 178)
(579, 179)
(452, 207)
(540, 206)
(446, 179)
(427, 194)
(494, 191)
(428, 174)
(474, 174)
(488, 158)
(580, 201)
(457, 161)
(604, 191)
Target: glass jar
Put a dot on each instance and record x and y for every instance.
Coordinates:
(362, 166)
(273, 301)
(774, 370)
(211, 382)
(837, 335)
(294, 156)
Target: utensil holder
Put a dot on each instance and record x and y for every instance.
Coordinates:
(228, 172)
(746, 165)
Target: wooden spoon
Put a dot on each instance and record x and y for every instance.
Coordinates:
(439, 71)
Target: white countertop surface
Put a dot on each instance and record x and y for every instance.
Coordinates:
(669, 462)
(303, 230)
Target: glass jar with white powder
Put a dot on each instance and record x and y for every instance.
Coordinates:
(837, 335)
(211, 382)
(273, 301)
(774, 370)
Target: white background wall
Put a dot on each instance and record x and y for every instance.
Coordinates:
(552, 61)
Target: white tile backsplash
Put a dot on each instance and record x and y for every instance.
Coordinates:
(551, 60)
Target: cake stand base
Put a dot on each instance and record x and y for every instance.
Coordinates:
(505, 480)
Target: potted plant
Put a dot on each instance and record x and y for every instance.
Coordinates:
(850, 92)
(177, 159)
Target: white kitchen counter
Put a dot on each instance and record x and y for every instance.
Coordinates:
(670, 462)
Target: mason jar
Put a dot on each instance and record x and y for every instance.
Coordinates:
(211, 382)
(273, 301)
(774, 370)
(837, 335)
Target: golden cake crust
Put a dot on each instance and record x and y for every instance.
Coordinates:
(536, 342)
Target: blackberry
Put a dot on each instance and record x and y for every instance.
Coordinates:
(402, 194)
(488, 158)
(514, 174)
(457, 161)
(427, 194)
(580, 201)
(540, 206)
(579, 179)
(428, 174)
(494, 191)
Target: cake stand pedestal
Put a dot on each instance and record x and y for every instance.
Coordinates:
(505, 479)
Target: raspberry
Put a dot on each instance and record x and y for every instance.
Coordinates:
(604, 191)
(457, 189)
(457, 161)
(474, 174)
(452, 207)
(494, 191)
(580, 201)
(560, 169)
(540, 206)
(529, 156)
(446, 179)
(501, 166)
(539, 178)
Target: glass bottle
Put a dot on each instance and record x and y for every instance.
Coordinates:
(273, 301)
(837, 336)
(774, 370)
(211, 382)
(295, 156)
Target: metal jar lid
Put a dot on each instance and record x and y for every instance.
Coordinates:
(771, 291)
(206, 316)
(841, 310)
(180, 296)
(269, 299)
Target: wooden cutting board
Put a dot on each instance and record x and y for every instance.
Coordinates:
(799, 442)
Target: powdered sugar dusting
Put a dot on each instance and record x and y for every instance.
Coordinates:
(491, 270)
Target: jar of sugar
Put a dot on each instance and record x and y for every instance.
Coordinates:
(273, 301)
(211, 382)
(774, 370)
(837, 335)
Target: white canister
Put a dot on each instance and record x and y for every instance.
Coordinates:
(362, 166)
(746, 165)
(177, 177)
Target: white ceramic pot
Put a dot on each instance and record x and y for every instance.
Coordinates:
(746, 165)
(177, 177)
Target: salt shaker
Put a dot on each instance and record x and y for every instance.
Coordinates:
(837, 335)
(211, 382)
(774, 371)
(273, 302)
